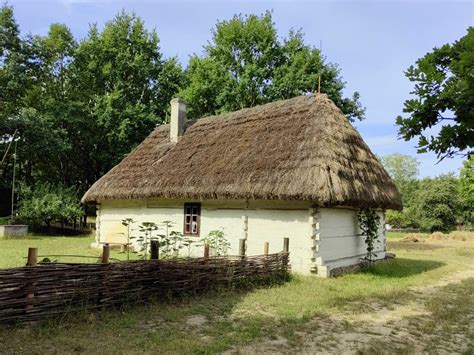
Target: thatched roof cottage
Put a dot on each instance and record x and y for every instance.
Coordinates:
(293, 168)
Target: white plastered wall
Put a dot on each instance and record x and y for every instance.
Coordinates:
(320, 239)
(339, 242)
(257, 223)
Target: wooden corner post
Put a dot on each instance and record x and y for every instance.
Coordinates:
(32, 257)
(155, 249)
(105, 253)
(286, 245)
(242, 248)
(31, 262)
(206, 251)
(265, 248)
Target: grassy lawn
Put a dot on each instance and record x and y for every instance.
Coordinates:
(13, 251)
(420, 302)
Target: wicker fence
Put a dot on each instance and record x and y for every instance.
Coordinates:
(35, 292)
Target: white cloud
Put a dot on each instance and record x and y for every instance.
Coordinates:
(381, 141)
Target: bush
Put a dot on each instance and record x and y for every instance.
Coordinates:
(400, 219)
(218, 243)
(46, 203)
(437, 203)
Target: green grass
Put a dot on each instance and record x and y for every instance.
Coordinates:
(238, 318)
(13, 251)
(4, 220)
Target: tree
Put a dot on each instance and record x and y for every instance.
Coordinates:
(466, 191)
(46, 203)
(403, 169)
(437, 203)
(444, 97)
(246, 64)
(122, 88)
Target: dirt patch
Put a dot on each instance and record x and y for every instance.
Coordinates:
(196, 321)
(408, 327)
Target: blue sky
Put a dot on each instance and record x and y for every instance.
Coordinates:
(372, 41)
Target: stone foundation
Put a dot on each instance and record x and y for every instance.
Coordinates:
(357, 267)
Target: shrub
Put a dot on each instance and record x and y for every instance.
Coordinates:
(369, 222)
(47, 203)
(218, 243)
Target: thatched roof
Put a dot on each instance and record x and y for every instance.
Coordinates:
(303, 148)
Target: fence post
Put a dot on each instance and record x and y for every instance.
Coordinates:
(155, 249)
(242, 248)
(206, 251)
(105, 253)
(32, 261)
(32, 257)
(265, 248)
(286, 245)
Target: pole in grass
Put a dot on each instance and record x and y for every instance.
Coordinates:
(242, 248)
(32, 257)
(105, 253)
(286, 245)
(155, 249)
(31, 261)
(206, 251)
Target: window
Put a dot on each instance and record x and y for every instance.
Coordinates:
(192, 218)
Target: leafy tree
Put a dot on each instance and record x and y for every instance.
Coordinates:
(466, 191)
(245, 64)
(46, 203)
(403, 169)
(122, 88)
(437, 202)
(444, 96)
(14, 65)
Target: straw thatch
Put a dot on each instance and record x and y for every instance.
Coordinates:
(303, 148)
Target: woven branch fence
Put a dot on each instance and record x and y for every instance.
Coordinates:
(34, 293)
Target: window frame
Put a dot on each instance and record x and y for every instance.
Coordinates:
(198, 219)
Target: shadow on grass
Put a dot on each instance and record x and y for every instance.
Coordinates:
(402, 267)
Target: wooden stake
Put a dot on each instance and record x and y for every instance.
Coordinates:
(286, 245)
(105, 253)
(32, 257)
(265, 248)
(319, 84)
(155, 249)
(206, 251)
(32, 261)
(242, 247)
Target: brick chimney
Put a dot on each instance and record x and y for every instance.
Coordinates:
(178, 119)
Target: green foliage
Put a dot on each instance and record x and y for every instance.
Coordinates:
(399, 219)
(128, 222)
(45, 203)
(437, 203)
(466, 192)
(369, 222)
(218, 243)
(444, 90)
(170, 241)
(79, 107)
(246, 64)
(144, 239)
(403, 169)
